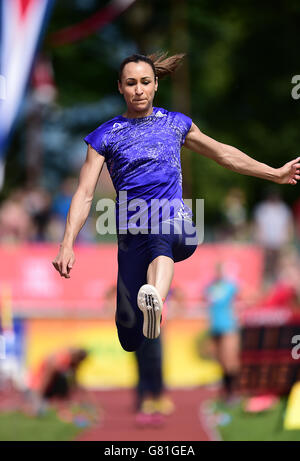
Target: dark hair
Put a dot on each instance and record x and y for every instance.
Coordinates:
(161, 64)
(77, 356)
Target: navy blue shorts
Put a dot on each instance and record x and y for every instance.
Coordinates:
(135, 253)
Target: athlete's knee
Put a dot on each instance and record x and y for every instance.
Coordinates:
(130, 339)
(130, 346)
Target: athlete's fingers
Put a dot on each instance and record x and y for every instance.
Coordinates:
(58, 266)
(55, 264)
(64, 272)
(294, 164)
(71, 263)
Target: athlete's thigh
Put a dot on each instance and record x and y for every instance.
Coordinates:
(185, 239)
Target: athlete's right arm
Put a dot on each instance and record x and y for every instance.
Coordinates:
(79, 210)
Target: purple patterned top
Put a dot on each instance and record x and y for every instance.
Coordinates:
(143, 159)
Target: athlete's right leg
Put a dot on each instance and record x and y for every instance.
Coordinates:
(150, 375)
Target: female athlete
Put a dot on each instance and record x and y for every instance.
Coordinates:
(155, 228)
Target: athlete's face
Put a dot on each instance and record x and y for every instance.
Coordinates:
(138, 86)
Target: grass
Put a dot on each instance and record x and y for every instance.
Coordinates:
(19, 427)
(237, 425)
(265, 426)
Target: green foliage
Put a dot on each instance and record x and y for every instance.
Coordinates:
(241, 57)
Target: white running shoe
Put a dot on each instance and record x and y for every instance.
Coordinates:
(150, 303)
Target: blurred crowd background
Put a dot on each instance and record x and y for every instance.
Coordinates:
(235, 59)
(235, 84)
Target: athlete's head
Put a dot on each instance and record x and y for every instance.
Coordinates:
(138, 83)
(138, 78)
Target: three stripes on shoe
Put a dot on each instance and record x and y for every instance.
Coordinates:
(149, 301)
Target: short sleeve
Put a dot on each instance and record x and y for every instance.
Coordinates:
(97, 140)
(184, 124)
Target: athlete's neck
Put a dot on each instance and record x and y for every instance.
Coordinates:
(140, 114)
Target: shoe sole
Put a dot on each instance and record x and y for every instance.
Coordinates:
(150, 303)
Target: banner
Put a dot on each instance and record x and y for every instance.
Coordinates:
(37, 289)
(22, 23)
(108, 365)
(92, 24)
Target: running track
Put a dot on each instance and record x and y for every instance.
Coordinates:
(187, 423)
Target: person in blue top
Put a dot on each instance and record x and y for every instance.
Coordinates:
(155, 228)
(220, 295)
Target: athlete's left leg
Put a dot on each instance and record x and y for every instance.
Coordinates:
(160, 274)
(152, 295)
(165, 249)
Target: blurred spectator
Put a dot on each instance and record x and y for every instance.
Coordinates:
(235, 216)
(54, 230)
(296, 212)
(60, 208)
(176, 302)
(62, 201)
(285, 291)
(28, 215)
(224, 328)
(273, 229)
(16, 224)
(36, 202)
(55, 377)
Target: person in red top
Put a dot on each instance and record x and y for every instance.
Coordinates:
(55, 376)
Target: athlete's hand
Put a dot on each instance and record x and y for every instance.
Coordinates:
(64, 261)
(290, 172)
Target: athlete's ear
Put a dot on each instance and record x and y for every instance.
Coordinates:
(156, 83)
(120, 87)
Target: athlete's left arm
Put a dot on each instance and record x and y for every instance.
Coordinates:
(235, 160)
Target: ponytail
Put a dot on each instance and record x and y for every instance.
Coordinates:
(164, 64)
(161, 64)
